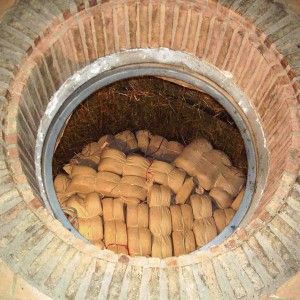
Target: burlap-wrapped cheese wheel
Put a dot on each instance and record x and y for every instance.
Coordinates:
(136, 165)
(182, 217)
(160, 221)
(185, 191)
(112, 160)
(201, 205)
(129, 201)
(61, 183)
(161, 246)
(112, 210)
(129, 140)
(115, 233)
(119, 249)
(78, 170)
(204, 230)
(85, 208)
(91, 229)
(183, 242)
(99, 244)
(238, 200)
(223, 217)
(143, 140)
(139, 241)
(137, 215)
(159, 195)
(221, 197)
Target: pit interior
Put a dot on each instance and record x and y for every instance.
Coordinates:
(165, 107)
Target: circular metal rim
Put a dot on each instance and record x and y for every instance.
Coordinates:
(138, 70)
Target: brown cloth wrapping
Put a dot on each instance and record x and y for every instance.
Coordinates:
(85, 208)
(223, 217)
(128, 139)
(182, 217)
(139, 241)
(136, 165)
(185, 191)
(92, 151)
(115, 233)
(143, 140)
(137, 215)
(113, 210)
(91, 229)
(161, 246)
(201, 205)
(159, 195)
(112, 160)
(238, 200)
(61, 183)
(160, 221)
(204, 230)
(183, 242)
(128, 201)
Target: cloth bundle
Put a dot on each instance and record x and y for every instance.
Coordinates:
(161, 246)
(137, 216)
(237, 201)
(61, 183)
(160, 221)
(204, 230)
(115, 236)
(213, 169)
(185, 191)
(128, 141)
(223, 217)
(201, 205)
(183, 242)
(91, 228)
(159, 195)
(112, 210)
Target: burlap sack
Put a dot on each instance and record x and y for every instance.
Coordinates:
(112, 160)
(119, 249)
(223, 217)
(136, 165)
(157, 146)
(82, 184)
(115, 233)
(161, 246)
(128, 138)
(89, 207)
(176, 179)
(77, 170)
(99, 244)
(183, 242)
(91, 229)
(160, 221)
(113, 210)
(182, 217)
(185, 191)
(143, 140)
(106, 182)
(159, 195)
(204, 230)
(238, 200)
(128, 201)
(201, 205)
(61, 183)
(92, 151)
(221, 197)
(174, 149)
(131, 187)
(137, 215)
(139, 241)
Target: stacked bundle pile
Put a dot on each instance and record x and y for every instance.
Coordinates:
(174, 198)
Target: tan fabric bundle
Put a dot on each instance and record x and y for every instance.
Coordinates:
(92, 151)
(221, 197)
(137, 215)
(128, 201)
(99, 244)
(201, 205)
(166, 174)
(136, 165)
(223, 217)
(61, 183)
(112, 210)
(119, 249)
(82, 184)
(174, 149)
(238, 200)
(77, 170)
(85, 208)
(204, 230)
(105, 141)
(112, 160)
(161, 246)
(182, 217)
(157, 146)
(159, 195)
(143, 140)
(183, 242)
(131, 187)
(185, 191)
(91, 229)
(115, 233)
(160, 221)
(139, 241)
(128, 139)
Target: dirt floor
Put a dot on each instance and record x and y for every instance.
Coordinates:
(163, 107)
